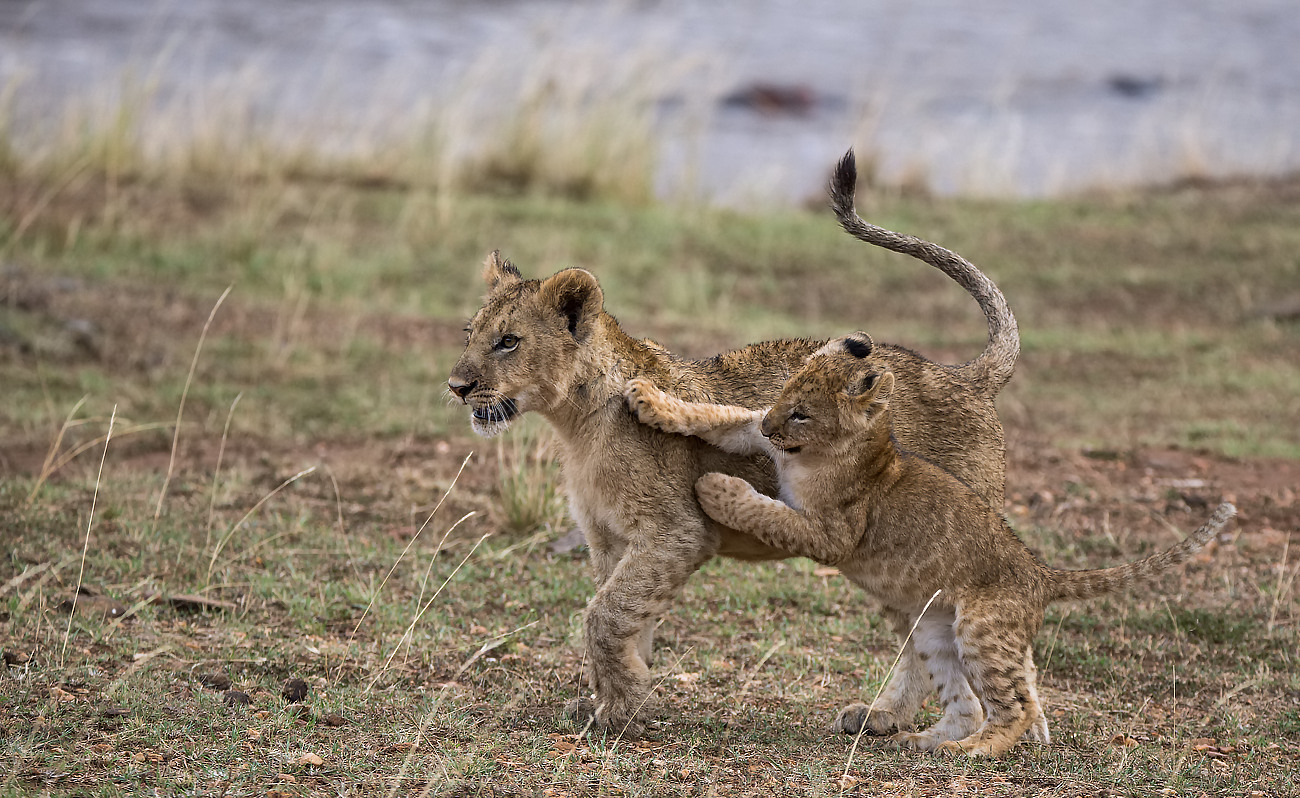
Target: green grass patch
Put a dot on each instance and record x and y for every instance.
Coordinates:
(437, 659)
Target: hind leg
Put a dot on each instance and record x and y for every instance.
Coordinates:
(992, 642)
(1038, 732)
(901, 698)
(936, 646)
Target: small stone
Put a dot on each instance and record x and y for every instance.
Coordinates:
(295, 691)
(13, 658)
(334, 719)
(310, 759)
(215, 681)
(236, 698)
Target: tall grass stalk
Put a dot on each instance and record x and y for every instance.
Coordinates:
(216, 472)
(180, 409)
(420, 614)
(48, 466)
(85, 547)
(216, 550)
(411, 543)
(55, 461)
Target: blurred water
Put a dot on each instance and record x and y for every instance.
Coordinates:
(971, 96)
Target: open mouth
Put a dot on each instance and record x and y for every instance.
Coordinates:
(497, 413)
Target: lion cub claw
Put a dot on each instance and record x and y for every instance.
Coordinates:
(877, 722)
(584, 716)
(645, 401)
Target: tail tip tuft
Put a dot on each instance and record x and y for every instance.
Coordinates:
(844, 181)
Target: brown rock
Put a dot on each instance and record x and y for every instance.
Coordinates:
(13, 657)
(295, 691)
(215, 681)
(236, 698)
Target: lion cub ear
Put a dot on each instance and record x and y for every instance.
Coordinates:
(859, 344)
(577, 296)
(498, 271)
(872, 393)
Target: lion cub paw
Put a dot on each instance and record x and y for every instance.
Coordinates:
(860, 719)
(723, 497)
(1037, 732)
(647, 403)
(582, 715)
(976, 746)
(920, 741)
(579, 713)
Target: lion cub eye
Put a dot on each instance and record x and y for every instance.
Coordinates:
(796, 415)
(507, 342)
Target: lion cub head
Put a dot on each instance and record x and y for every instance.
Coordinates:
(523, 347)
(838, 395)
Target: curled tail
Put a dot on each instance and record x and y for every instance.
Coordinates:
(1068, 585)
(993, 366)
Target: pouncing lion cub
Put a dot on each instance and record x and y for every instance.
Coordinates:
(903, 529)
(548, 346)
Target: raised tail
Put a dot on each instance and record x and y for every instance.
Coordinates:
(1068, 585)
(994, 366)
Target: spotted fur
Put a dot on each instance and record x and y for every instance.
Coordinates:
(903, 529)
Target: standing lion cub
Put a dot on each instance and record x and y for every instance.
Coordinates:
(903, 529)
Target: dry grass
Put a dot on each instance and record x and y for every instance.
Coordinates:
(578, 125)
(322, 520)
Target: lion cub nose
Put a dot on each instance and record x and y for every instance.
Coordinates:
(462, 388)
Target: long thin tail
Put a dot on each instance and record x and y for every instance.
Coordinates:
(994, 366)
(1068, 585)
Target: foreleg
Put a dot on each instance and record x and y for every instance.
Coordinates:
(732, 429)
(901, 698)
(734, 502)
(639, 591)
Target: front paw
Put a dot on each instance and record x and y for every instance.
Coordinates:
(644, 400)
(720, 495)
(583, 715)
(580, 713)
(860, 719)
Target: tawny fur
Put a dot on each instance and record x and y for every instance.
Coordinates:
(548, 346)
(902, 528)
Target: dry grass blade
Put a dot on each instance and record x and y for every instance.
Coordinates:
(77, 451)
(420, 614)
(48, 467)
(27, 573)
(180, 410)
(414, 538)
(1285, 581)
(85, 548)
(216, 472)
(494, 643)
(226, 538)
(137, 662)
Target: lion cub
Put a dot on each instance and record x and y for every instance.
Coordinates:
(904, 530)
